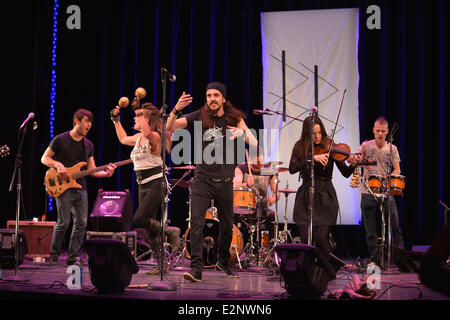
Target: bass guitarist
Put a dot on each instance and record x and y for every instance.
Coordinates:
(66, 150)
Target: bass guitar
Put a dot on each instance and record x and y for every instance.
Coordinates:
(55, 185)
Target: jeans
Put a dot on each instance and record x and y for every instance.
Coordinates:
(202, 193)
(73, 203)
(371, 217)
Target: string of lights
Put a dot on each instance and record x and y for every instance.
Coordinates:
(53, 88)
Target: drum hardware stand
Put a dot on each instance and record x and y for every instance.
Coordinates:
(381, 246)
(184, 238)
(234, 247)
(285, 231)
(249, 247)
(389, 196)
(275, 241)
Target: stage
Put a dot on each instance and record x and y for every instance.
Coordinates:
(42, 281)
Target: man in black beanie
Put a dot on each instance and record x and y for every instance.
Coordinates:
(212, 180)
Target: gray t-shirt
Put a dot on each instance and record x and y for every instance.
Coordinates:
(370, 150)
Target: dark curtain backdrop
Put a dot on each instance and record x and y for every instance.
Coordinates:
(123, 45)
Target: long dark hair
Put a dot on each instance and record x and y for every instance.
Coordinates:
(155, 122)
(303, 146)
(232, 114)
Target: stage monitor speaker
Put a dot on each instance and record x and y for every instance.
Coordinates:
(403, 261)
(434, 271)
(8, 248)
(111, 265)
(112, 211)
(304, 270)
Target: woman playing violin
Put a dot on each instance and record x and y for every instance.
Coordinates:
(325, 203)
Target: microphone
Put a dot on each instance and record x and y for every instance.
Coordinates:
(262, 112)
(170, 76)
(30, 116)
(313, 110)
(369, 163)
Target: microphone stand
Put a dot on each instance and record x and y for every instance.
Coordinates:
(389, 197)
(161, 285)
(18, 172)
(312, 187)
(268, 112)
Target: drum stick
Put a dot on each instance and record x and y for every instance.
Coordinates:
(248, 162)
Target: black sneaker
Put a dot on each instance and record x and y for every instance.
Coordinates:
(193, 276)
(227, 269)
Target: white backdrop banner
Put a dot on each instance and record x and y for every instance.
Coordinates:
(327, 39)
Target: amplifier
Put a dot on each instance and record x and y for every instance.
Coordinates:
(38, 235)
(129, 238)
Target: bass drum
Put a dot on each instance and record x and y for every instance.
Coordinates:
(210, 236)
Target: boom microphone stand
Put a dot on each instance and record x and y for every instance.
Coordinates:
(18, 172)
(161, 285)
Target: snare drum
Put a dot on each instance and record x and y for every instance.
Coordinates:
(397, 184)
(244, 201)
(376, 183)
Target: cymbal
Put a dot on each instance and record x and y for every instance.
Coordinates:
(272, 170)
(184, 168)
(286, 191)
(273, 163)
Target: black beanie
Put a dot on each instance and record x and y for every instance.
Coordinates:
(218, 86)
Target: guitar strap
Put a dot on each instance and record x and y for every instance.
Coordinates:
(85, 149)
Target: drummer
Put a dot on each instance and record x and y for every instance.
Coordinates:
(378, 150)
(252, 175)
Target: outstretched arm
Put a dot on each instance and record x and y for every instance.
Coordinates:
(121, 134)
(172, 122)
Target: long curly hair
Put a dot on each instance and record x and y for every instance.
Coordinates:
(232, 114)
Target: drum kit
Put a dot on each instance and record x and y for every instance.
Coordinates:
(258, 248)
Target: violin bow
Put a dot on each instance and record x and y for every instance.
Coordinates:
(335, 125)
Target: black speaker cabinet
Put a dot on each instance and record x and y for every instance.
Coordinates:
(111, 265)
(8, 248)
(112, 211)
(304, 270)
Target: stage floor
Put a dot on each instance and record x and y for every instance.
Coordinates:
(44, 281)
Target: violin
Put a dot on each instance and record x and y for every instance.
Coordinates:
(339, 151)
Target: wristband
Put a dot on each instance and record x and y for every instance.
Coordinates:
(114, 118)
(176, 112)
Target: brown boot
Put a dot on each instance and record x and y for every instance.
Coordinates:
(154, 226)
(157, 269)
(173, 237)
(155, 245)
